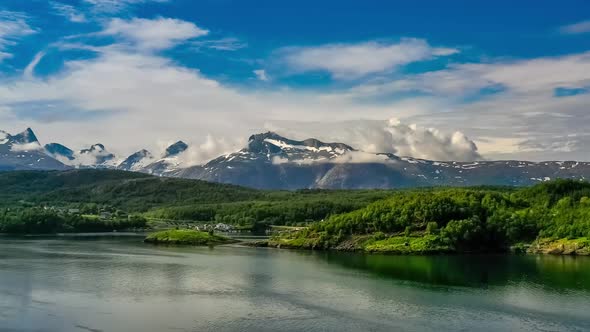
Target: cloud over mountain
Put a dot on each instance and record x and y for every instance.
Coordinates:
(130, 73)
(419, 142)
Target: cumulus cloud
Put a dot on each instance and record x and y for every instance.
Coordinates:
(156, 34)
(355, 60)
(576, 28)
(13, 26)
(391, 136)
(426, 143)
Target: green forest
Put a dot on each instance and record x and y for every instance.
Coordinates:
(458, 220)
(424, 220)
(139, 197)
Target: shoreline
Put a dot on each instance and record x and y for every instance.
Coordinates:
(559, 247)
(555, 247)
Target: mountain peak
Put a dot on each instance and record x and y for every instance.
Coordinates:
(268, 135)
(143, 152)
(25, 137)
(56, 149)
(136, 161)
(175, 149)
(98, 147)
(271, 142)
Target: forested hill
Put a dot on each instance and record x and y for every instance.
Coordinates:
(552, 217)
(92, 191)
(133, 192)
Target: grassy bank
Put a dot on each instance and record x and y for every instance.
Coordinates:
(579, 246)
(187, 237)
(374, 243)
(422, 245)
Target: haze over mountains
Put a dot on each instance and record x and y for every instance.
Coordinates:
(271, 161)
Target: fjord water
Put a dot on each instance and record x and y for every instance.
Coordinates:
(120, 284)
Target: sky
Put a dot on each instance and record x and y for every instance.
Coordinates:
(446, 80)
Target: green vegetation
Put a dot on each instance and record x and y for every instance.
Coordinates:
(456, 220)
(187, 237)
(155, 198)
(549, 217)
(41, 221)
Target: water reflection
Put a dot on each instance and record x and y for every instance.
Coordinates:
(552, 272)
(123, 285)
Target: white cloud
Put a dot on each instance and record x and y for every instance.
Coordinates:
(517, 76)
(115, 6)
(576, 28)
(13, 26)
(68, 11)
(30, 69)
(425, 143)
(345, 61)
(223, 44)
(198, 154)
(518, 102)
(33, 146)
(261, 74)
(350, 157)
(130, 88)
(391, 136)
(156, 34)
(157, 99)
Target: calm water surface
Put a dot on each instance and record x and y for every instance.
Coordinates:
(120, 284)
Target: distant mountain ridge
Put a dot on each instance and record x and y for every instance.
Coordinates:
(24, 152)
(271, 161)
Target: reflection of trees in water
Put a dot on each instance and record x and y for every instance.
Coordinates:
(552, 272)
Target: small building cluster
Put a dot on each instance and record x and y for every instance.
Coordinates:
(220, 227)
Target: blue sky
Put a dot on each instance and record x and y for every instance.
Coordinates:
(510, 78)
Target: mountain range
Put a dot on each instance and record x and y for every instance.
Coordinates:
(271, 161)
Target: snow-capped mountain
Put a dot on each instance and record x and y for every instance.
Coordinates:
(96, 156)
(60, 152)
(24, 152)
(279, 149)
(274, 162)
(271, 161)
(170, 163)
(137, 161)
